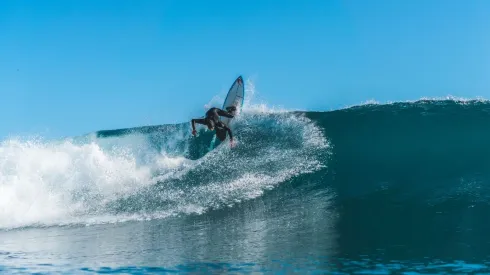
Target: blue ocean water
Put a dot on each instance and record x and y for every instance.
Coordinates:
(400, 188)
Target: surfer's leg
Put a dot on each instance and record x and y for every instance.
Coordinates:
(223, 129)
(221, 133)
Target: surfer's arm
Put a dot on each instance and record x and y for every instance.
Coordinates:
(229, 132)
(198, 120)
(224, 113)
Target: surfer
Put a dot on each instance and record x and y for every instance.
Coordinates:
(213, 122)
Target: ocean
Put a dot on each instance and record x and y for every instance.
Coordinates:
(395, 188)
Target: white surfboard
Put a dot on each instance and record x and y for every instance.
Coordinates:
(235, 97)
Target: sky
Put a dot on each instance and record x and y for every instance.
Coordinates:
(69, 68)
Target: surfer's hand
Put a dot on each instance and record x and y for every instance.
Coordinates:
(194, 132)
(232, 143)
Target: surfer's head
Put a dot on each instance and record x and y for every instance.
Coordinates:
(210, 124)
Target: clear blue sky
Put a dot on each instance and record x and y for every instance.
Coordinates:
(73, 67)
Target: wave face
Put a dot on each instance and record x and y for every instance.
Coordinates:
(389, 171)
(411, 178)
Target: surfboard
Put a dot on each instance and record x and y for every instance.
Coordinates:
(235, 97)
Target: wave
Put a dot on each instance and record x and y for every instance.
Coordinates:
(151, 172)
(426, 152)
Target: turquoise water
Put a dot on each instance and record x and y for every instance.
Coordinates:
(398, 188)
